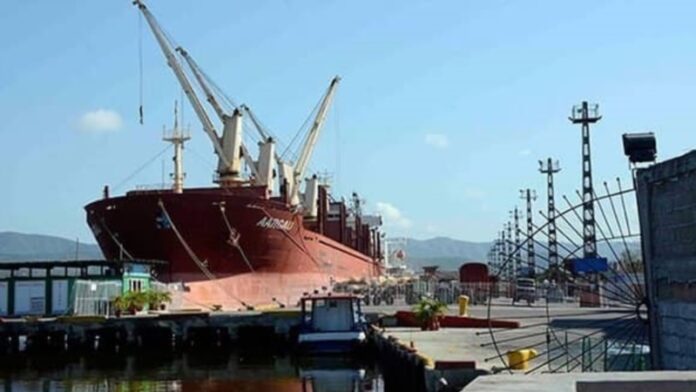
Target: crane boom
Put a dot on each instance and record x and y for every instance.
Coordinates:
(166, 47)
(209, 96)
(261, 130)
(313, 135)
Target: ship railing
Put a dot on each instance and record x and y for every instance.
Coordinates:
(152, 187)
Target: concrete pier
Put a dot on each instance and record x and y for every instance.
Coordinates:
(177, 330)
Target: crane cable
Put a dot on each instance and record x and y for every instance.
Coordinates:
(140, 64)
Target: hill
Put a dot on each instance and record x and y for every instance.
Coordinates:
(450, 253)
(446, 252)
(24, 247)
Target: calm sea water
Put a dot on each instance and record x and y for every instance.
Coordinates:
(247, 371)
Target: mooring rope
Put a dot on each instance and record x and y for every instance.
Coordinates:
(121, 248)
(234, 236)
(201, 265)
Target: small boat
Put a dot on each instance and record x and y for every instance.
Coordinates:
(332, 324)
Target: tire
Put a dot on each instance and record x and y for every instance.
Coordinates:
(376, 300)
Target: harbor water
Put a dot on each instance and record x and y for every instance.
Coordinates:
(247, 370)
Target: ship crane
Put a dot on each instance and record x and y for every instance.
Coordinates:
(174, 64)
(230, 147)
(232, 128)
(298, 169)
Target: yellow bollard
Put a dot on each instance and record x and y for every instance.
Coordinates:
(519, 359)
(463, 305)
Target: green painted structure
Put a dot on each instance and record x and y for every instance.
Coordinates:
(45, 288)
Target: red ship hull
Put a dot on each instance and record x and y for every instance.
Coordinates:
(229, 247)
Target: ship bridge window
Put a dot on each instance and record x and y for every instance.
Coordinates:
(38, 272)
(4, 274)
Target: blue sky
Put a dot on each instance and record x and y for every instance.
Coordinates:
(444, 108)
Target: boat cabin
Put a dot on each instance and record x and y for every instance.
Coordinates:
(331, 323)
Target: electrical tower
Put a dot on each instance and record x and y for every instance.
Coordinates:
(550, 168)
(529, 196)
(585, 115)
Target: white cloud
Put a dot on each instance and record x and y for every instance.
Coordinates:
(392, 216)
(100, 120)
(526, 152)
(437, 140)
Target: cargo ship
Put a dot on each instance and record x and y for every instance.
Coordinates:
(265, 234)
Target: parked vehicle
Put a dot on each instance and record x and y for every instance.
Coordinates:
(525, 290)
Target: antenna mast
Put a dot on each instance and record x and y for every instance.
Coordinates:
(177, 138)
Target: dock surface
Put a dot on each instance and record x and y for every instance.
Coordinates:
(672, 381)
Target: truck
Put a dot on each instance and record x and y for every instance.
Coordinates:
(525, 290)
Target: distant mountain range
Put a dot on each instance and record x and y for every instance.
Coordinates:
(23, 247)
(448, 253)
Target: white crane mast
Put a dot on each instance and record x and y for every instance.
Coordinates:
(313, 135)
(172, 61)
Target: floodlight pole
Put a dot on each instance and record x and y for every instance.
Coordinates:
(585, 115)
(510, 252)
(550, 168)
(530, 195)
(518, 254)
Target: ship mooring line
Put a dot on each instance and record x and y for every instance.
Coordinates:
(234, 239)
(121, 248)
(193, 256)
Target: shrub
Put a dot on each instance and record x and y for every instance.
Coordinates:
(428, 311)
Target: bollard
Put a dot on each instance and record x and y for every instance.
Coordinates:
(463, 305)
(519, 359)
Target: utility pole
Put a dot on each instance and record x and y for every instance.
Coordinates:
(529, 196)
(550, 168)
(585, 115)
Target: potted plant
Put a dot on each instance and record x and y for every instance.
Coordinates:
(428, 311)
(157, 299)
(119, 304)
(130, 302)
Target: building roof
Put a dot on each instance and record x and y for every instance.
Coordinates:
(76, 263)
